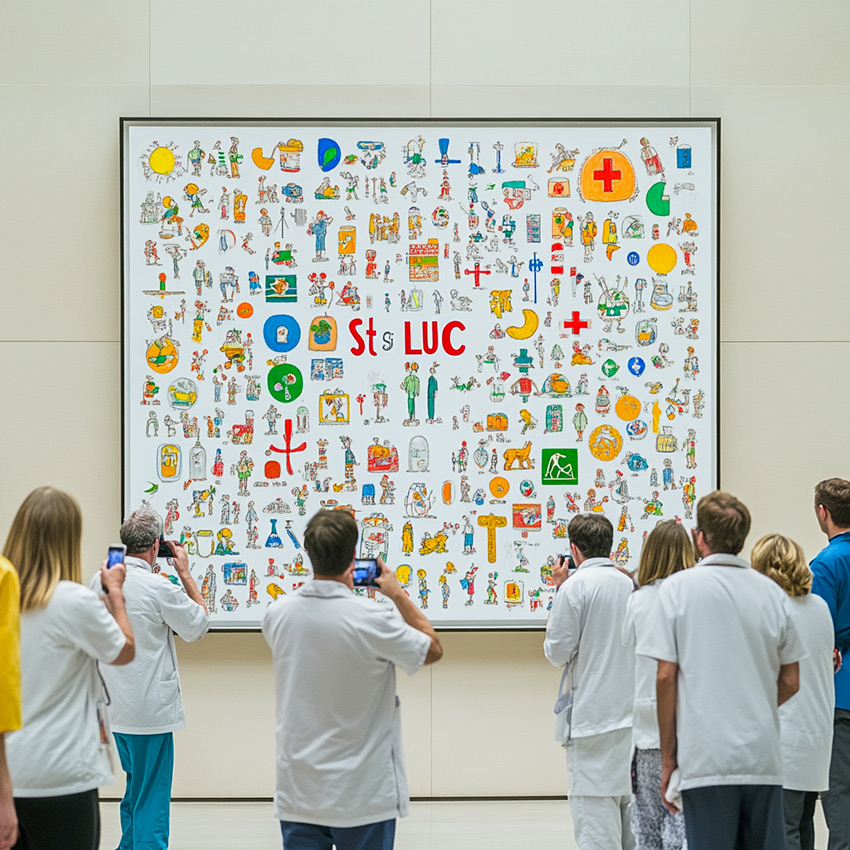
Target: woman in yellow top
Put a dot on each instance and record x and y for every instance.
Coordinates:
(59, 757)
(10, 694)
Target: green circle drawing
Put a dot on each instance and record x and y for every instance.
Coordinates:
(285, 382)
(657, 202)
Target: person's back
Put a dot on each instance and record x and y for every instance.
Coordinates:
(728, 621)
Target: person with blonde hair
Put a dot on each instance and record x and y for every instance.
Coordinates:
(667, 550)
(60, 757)
(805, 733)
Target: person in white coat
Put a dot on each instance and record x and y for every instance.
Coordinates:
(583, 632)
(805, 721)
(667, 550)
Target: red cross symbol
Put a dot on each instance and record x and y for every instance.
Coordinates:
(287, 436)
(477, 271)
(576, 324)
(608, 174)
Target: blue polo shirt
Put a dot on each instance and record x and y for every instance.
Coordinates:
(831, 568)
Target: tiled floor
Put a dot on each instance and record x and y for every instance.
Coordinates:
(500, 825)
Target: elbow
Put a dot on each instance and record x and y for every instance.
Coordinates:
(435, 651)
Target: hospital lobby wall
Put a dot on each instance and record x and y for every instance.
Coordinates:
(480, 722)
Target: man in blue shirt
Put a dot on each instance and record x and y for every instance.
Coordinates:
(831, 568)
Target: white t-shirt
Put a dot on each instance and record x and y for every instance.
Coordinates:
(584, 630)
(806, 720)
(146, 698)
(339, 760)
(641, 612)
(729, 628)
(59, 751)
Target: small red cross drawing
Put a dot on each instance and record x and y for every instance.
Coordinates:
(477, 271)
(287, 436)
(576, 324)
(608, 174)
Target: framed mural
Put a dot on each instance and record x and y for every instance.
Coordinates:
(462, 332)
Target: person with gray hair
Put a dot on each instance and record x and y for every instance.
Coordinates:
(147, 706)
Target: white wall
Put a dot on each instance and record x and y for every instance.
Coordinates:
(775, 72)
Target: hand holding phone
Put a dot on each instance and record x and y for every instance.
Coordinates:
(165, 550)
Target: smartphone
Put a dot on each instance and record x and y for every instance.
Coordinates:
(568, 560)
(365, 572)
(115, 555)
(165, 550)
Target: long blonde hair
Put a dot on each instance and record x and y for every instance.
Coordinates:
(667, 550)
(782, 559)
(44, 544)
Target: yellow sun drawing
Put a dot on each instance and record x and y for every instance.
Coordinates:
(162, 162)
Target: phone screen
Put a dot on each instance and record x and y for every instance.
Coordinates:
(115, 555)
(165, 550)
(365, 572)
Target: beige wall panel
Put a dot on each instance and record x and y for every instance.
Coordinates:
(558, 101)
(266, 42)
(290, 101)
(64, 429)
(559, 42)
(783, 210)
(61, 263)
(492, 699)
(100, 42)
(417, 724)
(769, 43)
(785, 425)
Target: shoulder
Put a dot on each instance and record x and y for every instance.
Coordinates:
(71, 601)
(8, 576)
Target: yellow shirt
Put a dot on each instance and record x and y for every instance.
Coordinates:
(10, 656)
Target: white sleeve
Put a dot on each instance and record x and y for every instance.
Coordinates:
(89, 626)
(185, 617)
(391, 639)
(628, 633)
(563, 631)
(658, 639)
(791, 647)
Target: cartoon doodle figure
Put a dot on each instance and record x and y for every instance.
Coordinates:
(424, 592)
(432, 391)
(445, 187)
(522, 565)
(407, 538)
(492, 598)
(688, 495)
(236, 509)
(572, 502)
(176, 253)
(468, 536)
(246, 243)
(243, 469)
(410, 385)
(224, 518)
(196, 158)
(349, 459)
(468, 584)
(201, 276)
(352, 182)
(699, 404)
(690, 449)
(652, 507)
(688, 250)
(580, 422)
(301, 494)
(562, 159)
(319, 229)
(691, 364)
(588, 230)
(253, 590)
(152, 425)
(151, 255)
(171, 426)
(208, 589)
(265, 222)
(200, 322)
(194, 195)
(667, 475)
(160, 323)
(649, 157)
(529, 423)
(592, 504)
(625, 520)
(229, 602)
(228, 279)
(235, 157)
(603, 401)
(218, 465)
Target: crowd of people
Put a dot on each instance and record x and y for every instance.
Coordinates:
(703, 703)
(724, 711)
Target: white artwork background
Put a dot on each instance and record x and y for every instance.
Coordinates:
(197, 427)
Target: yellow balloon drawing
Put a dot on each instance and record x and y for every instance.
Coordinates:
(161, 160)
(662, 258)
(627, 408)
(261, 161)
(524, 331)
(605, 442)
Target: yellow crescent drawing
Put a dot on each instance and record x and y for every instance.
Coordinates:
(264, 162)
(529, 326)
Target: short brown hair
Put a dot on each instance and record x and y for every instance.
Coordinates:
(834, 495)
(724, 522)
(782, 559)
(330, 540)
(44, 544)
(592, 534)
(667, 550)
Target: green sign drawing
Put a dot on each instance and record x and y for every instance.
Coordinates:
(560, 466)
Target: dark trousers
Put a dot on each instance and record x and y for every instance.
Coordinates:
(799, 819)
(734, 817)
(70, 822)
(310, 836)
(836, 801)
